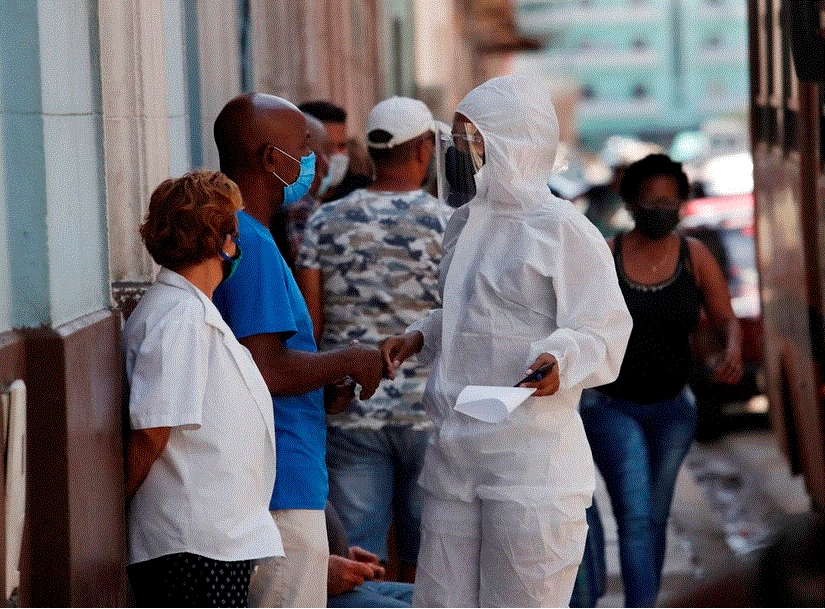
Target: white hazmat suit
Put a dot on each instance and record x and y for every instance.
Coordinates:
(524, 273)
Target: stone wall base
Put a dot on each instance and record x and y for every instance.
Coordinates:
(74, 544)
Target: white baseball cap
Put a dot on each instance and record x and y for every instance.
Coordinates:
(403, 118)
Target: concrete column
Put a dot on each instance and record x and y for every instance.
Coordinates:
(220, 66)
(279, 45)
(443, 55)
(317, 35)
(180, 156)
(364, 67)
(136, 125)
(353, 63)
(5, 270)
(313, 49)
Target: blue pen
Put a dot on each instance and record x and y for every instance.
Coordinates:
(537, 375)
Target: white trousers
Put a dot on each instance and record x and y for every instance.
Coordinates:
(499, 553)
(503, 515)
(299, 579)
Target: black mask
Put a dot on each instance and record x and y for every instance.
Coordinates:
(655, 223)
(459, 170)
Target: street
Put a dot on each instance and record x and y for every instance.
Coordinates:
(729, 497)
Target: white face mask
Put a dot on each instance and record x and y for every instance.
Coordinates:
(481, 182)
(338, 165)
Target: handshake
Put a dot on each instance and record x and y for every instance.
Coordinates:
(368, 365)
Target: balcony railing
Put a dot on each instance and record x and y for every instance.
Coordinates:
(598, 109)
(596, 58)
(555, 17)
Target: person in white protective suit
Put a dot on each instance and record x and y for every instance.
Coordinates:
(526, 281)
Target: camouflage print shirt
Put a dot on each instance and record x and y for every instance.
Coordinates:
(378, 253)
(297, 215)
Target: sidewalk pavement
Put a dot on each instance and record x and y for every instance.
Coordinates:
(729, 497)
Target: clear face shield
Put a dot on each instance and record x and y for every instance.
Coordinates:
(459, 152)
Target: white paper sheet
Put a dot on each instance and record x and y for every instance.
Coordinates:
(491, 404)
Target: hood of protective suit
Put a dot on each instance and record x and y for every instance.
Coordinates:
(516, 117)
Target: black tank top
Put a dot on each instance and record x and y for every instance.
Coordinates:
(658, 358)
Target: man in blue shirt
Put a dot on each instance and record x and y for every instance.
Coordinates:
(263, 146)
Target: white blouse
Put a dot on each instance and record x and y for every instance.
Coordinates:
(208, 493)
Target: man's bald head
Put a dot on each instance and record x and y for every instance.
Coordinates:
(251, 122)
(317, 135)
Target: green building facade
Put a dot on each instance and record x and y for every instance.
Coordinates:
(644, 67)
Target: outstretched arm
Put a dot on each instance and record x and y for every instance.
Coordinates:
(292, 372)
(396, 349)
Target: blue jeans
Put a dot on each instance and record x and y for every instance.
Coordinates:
(591, 580)
(373, 475)
(639, 449)
(374, 594)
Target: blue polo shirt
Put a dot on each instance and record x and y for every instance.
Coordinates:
(262, 297)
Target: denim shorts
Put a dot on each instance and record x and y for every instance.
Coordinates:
(373, 475)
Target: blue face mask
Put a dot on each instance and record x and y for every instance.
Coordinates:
(296, 190)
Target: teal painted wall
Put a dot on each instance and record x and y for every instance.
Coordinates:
(24, 282)
(52, 195)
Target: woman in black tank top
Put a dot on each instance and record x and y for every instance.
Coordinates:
(641, 426)
(658, 358)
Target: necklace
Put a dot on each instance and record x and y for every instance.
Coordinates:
(655, 267)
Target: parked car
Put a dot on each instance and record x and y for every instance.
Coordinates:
(725, 225)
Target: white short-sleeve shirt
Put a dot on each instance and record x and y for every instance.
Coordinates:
(208, 493)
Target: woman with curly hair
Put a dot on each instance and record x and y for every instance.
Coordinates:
(641, 425)
(201, 456)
